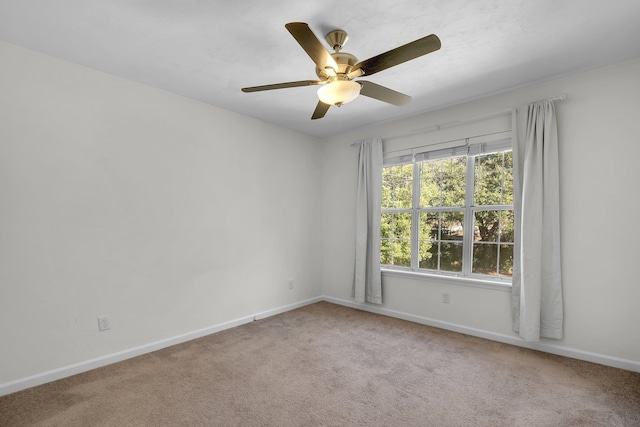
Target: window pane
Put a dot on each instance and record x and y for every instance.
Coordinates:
(453, 181)
(488, 188)
(506, 260)
(453, 190)
(385, 252)
(455, 165)
(508, 159)
(485, 258)
(488, 225)
(429, 225)
(430, 192)
(493, 179)
(387, 191)
(430, 169)
(402, 253)
(397, 172)
(386, 224)
(507, 192)
(452, 226)
(428, 257)
(506, 226)
(451, 257)
(402, 194)
(443, 182)
(397, 186)
(405, 172)
(401, 228)
(488, 162)
(395, 242)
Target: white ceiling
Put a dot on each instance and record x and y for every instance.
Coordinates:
(208, 50)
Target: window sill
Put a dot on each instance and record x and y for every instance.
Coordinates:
(453, 280)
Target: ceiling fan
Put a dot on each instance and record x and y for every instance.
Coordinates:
(337, 70)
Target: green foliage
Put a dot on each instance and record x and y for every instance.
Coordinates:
(395, 233)
(442, 182)
(397, 186)
(493, 179)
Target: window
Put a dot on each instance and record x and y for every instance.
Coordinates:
(450, 212)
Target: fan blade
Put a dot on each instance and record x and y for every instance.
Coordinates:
(310, 43)
(382, 93)
(283, 85)
(320, 111)
(398, 55)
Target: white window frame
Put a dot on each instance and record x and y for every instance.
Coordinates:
(465, 277)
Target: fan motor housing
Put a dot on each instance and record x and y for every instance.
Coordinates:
(345, 62)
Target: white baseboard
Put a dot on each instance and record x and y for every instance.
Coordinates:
(66, 371)
(77, 368)
(286, 308)
(629, 365)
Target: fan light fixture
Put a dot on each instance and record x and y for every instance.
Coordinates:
(339, 92)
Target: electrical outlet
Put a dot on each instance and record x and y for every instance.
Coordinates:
(104, 323)
(445, 298)
(290, 283)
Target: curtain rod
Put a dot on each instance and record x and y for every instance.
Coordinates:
(431, 128)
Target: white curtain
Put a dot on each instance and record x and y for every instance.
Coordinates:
(537, 289)
(367, 282)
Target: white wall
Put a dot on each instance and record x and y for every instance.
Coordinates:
(599, 152)
(164, 213)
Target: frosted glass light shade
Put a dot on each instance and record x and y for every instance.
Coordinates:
(339, 92)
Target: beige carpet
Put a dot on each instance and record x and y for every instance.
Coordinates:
(327, 365)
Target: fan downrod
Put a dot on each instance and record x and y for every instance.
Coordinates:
(337, 39)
